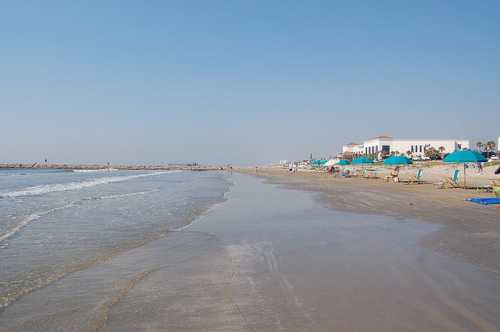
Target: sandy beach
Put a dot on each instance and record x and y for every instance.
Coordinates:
(275, 256)
(471, 231)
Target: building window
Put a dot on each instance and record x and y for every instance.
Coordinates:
(412, 149)
(420, 148)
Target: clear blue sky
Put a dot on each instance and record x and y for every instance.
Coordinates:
(241, 81)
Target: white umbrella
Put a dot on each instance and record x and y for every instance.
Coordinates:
(331, 162)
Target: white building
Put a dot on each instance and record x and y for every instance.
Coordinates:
(385, 145)
(353, 148)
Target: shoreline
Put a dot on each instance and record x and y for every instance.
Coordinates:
(471, 231)
(278, 260)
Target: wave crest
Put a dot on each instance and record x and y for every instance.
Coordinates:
(48, 188)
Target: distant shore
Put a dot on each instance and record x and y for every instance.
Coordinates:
(161, 167)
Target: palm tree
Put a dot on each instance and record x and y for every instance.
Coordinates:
(490, 146)
(480, 146)
(442, 149)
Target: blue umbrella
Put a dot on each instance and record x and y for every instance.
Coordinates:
(397, 160)
(362, 161)
(343, 162)
(464, 156)
(318, 162)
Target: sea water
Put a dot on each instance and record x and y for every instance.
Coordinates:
(55, 222)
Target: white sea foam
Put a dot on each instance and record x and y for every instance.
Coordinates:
(139, 193)
(95, 170)
(115, 196)
(35, 216)
(48, 188)
(29, 219)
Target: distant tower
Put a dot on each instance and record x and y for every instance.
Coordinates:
(311, 156)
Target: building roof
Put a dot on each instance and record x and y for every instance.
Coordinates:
(380, 137)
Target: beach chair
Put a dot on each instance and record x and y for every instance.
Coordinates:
(417, 178)
(451, 182)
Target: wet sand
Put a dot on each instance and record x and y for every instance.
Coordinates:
(274, 259)
(471, 232)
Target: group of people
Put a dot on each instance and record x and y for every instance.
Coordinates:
(337, 170)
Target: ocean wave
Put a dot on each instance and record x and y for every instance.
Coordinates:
(48, 188)
(26, 220)
(115, 196)
(94, 170)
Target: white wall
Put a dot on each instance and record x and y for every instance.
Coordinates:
(419, 145)
(352, 148)
(375, 145)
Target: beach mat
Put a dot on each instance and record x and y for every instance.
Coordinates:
(484, 200)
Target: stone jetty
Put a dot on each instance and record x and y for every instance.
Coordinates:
(69, 167)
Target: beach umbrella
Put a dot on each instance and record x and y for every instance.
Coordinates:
(343, 162)
(463, 157)
(330, 163)
(318, 162)
(398, 160)
(362, 161)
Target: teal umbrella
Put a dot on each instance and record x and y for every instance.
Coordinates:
(464, 156)
(343, 162)
(362, 161)
(397, 160)
(318, 162)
